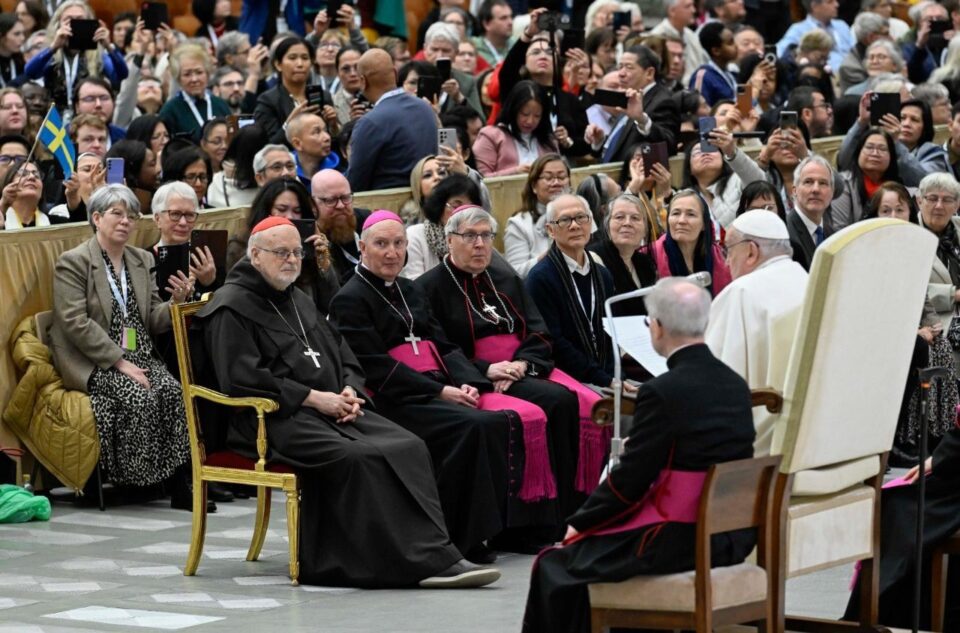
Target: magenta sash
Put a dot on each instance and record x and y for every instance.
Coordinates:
(538, 482)
(674, 497)
(427, 360)
(594, 440)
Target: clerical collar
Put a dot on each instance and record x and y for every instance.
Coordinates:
(574, 267)
(370, 273)
(459, 270)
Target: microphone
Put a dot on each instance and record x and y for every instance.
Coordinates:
(701, 279)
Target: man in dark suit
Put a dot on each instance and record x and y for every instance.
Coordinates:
(812, 192)
(441, 42)
(338, 220)
(389, 140)
(652, 116)
(695, 415)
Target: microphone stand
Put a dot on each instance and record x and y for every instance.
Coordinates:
(926, 377)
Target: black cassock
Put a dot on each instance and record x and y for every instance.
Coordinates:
(695, 415)
(445, 286)
(478, 455)
(898, 517)
(370, 515)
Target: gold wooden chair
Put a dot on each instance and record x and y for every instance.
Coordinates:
(227, 466)
(736, 495)
(938, 584)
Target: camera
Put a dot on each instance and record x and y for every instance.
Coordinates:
(552, 21)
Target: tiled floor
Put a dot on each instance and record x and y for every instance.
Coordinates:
(87, 571)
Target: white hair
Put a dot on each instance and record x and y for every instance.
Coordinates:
(681, 307)
(260, 159)
(552, 205)
(444, 32)
(895, 55)
(939, 181)
(813, 159)
(469, 217)
(173, 189)
(769, 248)
(867, 23)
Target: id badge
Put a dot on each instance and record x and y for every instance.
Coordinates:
(129, 339)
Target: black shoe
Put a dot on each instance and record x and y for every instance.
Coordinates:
(241, 491)
(219, 493)
(462, 575)
(481, 555)
(181, 502)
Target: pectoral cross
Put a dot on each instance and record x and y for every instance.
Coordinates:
(413, 340)
(490, 310)
(313, 356)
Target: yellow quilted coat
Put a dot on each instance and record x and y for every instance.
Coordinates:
(55, 424)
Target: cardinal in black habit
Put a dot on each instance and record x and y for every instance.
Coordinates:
(642, 518)
(489, 450)
(483, 308)
(370, 512)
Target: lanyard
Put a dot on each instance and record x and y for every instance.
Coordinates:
(213, 35)
(70, 74)
(13, 74)
(493, 51)
(193, 106)
(593, 302)
(122, 300)
(726, 77)
(332, 88)
(346, 253)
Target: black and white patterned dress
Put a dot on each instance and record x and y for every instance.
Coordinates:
(143, 432)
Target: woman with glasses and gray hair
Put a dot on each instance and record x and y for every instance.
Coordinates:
(939, 200)
(106, 311)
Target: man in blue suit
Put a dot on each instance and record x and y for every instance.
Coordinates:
(390, 139)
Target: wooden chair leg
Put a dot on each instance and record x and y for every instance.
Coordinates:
(263, 520)
(597, 621)
(199, 530)
(293, 532)
(103, 506)
(869, 592)
(938, 589)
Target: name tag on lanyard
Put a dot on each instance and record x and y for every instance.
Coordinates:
(128, 336)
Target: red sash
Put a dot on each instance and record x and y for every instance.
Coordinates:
(538, 482)
(674, 497)
(594, 440)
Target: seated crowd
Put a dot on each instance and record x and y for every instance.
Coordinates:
(414, 353)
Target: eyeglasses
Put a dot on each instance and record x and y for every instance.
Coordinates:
(565, 222)
(196, 178)
(826, 106)
(486, 237)
(726, 248)
(948, 201)
(350, 68)
(6, 159)
(96, 98)
(334, 44)
(29, 173)
(122, 213)
(332, 201)
(282, 167)
(538, 52)
(284, 254)
(554, 177)
(876, 149)
(176, 216)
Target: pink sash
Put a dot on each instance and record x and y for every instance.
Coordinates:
(674, 497)
(538, 482)
(594, 440)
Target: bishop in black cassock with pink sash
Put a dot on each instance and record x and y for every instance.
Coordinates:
(489, 450)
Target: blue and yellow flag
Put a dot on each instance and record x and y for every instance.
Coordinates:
(54, 137)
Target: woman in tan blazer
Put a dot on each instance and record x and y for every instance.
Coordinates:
(106, 307)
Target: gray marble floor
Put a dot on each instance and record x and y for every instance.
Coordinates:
(121, 570)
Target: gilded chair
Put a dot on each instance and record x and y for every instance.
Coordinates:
(227, 466)
(842, 393)
(938, 580)
(736, 495)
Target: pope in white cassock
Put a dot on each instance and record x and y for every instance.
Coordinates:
(753, 321)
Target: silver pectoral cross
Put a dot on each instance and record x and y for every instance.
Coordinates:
(313, 356)
(490, 310)
(413, 340)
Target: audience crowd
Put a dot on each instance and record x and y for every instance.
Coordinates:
(294, 120)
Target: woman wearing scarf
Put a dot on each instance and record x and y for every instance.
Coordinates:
(426, 243)
(687, 247)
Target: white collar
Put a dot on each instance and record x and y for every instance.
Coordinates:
(774, 260)
(574, 267)
(807, 222)
(385, 282)
(387, 95)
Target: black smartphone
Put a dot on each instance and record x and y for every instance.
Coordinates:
(443, 67)
(170, 260)
(428, 87)
(770, 53)
(882, 103)
(81, 38)
(154, 14)
(611, 98)
(315, 95)
(573, 38)
(621, 19)
(333, 6)
(939, 27)
(654, 153)
(552, 21)
(707, 125)
(306, 229)
(216, 241)
(788, 120)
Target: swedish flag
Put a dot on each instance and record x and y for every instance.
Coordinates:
(53, 135)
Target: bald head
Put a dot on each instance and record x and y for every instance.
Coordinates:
(679, 311)
(262, 249)
(378, 72)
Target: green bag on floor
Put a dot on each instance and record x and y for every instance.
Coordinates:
(19, 506)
